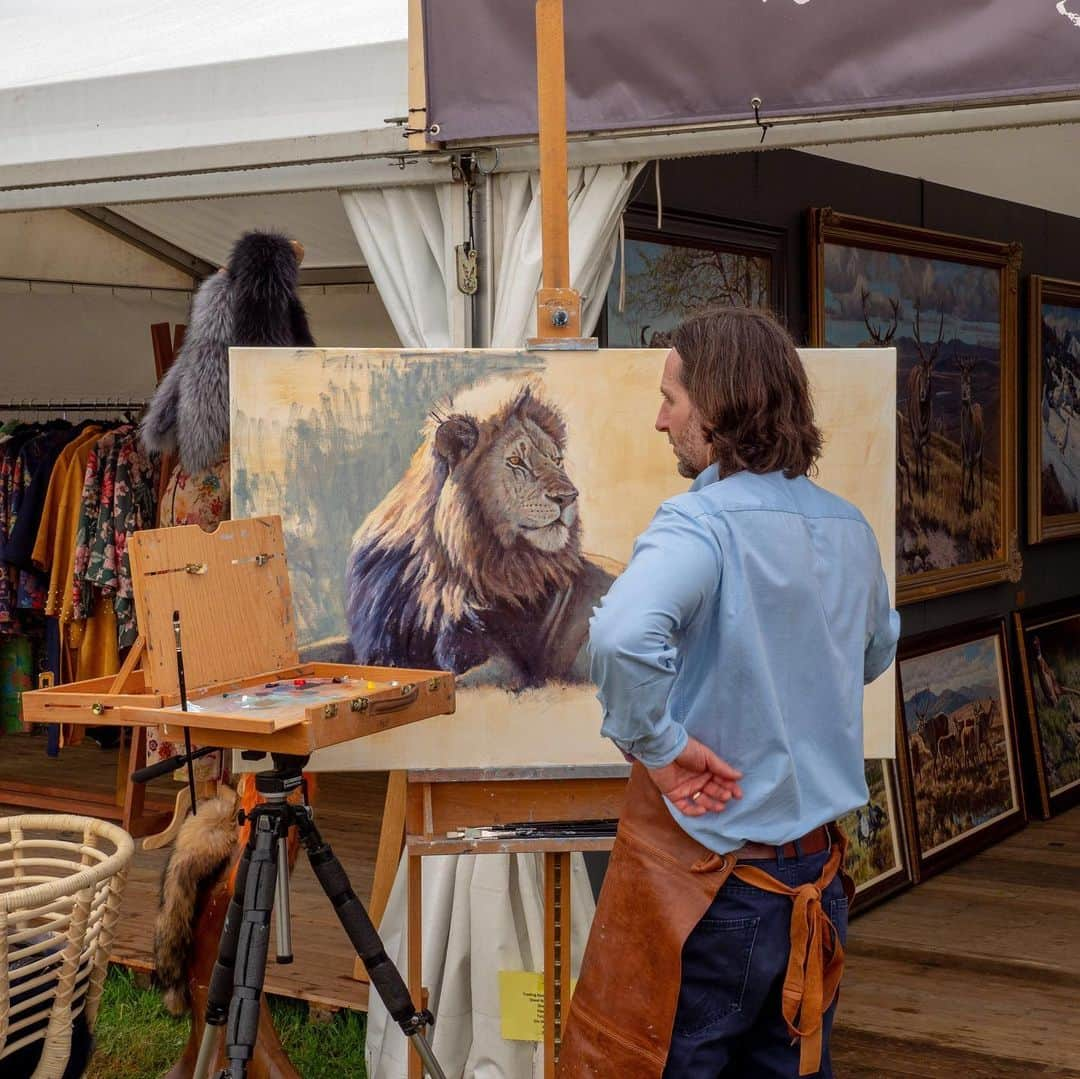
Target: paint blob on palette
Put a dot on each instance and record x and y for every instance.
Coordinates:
(282, 697)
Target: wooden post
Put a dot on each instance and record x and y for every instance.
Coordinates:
(417, 122)
(557, 964)
(391, 844)
(558, 306)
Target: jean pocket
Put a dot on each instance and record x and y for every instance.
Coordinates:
(837, 911)
(715, 969)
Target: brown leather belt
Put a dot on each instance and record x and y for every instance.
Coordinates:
(812, 843)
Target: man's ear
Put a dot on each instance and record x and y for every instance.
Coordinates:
(455, 439)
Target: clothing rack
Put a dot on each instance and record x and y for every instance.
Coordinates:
(71, 406)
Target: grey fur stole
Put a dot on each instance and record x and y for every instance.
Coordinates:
(253, 302)
(190, 411)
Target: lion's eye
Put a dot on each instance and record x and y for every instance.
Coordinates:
(515, 460)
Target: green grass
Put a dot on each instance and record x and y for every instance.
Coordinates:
(138, 1039)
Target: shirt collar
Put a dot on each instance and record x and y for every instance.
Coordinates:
(710, 475)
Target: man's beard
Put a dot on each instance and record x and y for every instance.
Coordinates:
(685, 469)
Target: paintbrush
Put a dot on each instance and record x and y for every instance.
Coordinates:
(184, 707)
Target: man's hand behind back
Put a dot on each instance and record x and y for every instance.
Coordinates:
(697, 781)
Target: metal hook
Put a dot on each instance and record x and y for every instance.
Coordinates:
(755, 104)
(476, 161)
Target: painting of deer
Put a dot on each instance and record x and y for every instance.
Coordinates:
(971, 437)
(920, 398)
(952, 324)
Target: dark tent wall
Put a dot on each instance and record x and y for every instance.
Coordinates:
(775, 188)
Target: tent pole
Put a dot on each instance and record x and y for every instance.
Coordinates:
(558, 306)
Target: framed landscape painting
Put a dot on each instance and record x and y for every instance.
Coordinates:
(1053, 410)
(877, 856)
(690, 265)
(1049, 643)
(947, 304)
(957, 746)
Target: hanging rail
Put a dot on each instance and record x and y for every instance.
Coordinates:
(31, 405)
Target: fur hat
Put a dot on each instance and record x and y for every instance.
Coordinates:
(253, 302)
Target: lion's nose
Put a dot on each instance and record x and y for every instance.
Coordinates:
(564, 496)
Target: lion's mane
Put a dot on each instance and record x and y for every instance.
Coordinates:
(436, 557)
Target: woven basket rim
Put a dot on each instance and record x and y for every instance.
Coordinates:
(37, 894)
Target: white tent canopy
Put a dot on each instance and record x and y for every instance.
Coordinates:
(108, 89)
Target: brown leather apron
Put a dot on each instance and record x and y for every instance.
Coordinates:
(658, 886)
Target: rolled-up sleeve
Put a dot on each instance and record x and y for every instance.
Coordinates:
(674, 572)
(882, 632)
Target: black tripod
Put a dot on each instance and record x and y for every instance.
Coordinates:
(262, 887)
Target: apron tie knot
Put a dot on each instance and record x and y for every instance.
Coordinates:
(816, 961)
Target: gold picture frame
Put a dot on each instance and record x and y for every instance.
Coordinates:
(1053, 405)
(915, 285)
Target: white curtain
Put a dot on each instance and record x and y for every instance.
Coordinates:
(597, 197)
(482, 914)
(407, 235)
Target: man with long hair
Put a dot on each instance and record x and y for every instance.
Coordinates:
(730, 659)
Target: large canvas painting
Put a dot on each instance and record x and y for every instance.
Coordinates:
(1049, 643)
(1054, 410)
(948, 306)
(960, 755)
(876, 856)
(466, 510)
(691, 265)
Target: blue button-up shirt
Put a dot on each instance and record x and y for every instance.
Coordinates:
(752, 612)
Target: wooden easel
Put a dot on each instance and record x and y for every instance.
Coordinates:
(451, 800)
(438, 802)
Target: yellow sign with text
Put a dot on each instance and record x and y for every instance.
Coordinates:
(521, 1004)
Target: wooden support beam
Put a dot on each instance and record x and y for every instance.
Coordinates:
(558, 305)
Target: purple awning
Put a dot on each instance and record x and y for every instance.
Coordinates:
(656, 63)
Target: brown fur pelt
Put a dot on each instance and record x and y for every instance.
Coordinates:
(204, 847)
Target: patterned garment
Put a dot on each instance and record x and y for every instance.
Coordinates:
(94, 548)
(201, 500)
(11, 480)
(134, 508)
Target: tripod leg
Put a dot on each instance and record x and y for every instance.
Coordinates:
(219, 991)
(354, 919)
(253, 944)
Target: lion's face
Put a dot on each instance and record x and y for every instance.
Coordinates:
(525, 489)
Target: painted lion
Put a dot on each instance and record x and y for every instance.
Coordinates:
(473, 562)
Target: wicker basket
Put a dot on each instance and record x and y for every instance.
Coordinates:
(61, 879)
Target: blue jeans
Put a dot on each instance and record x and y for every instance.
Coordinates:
(728, 1023)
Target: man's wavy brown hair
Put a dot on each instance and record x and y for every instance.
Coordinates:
(741, 370)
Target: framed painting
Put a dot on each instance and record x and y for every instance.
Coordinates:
(690, 265)
(1049, 642)
(877, 856)
(957, 747)
(467, 509)
(1053, 410)
(948, 305)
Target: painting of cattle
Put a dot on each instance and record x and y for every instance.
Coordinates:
(1049, 640)
(959, 742)
(876, 858)
(947, 305)
(1054, 410)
